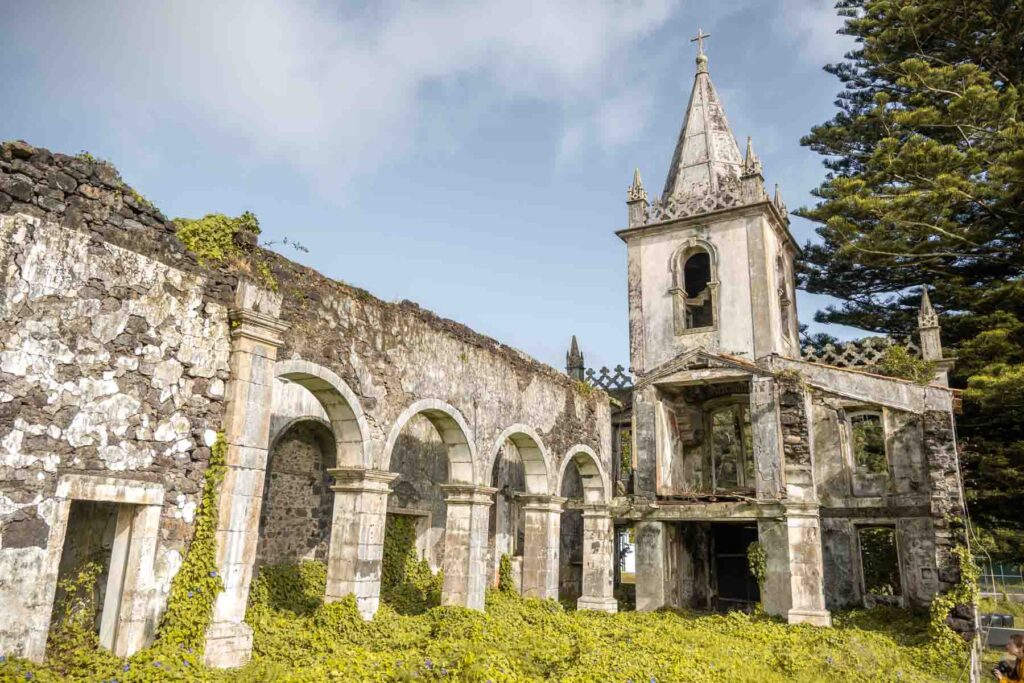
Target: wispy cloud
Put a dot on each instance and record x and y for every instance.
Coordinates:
(336, 93)
(812, 25)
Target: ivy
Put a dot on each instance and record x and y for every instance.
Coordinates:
(505, 582)
(196, 585)
(965, 592)
(218, 238)
(757, 563)
(405, 580)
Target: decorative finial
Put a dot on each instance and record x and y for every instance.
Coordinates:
(574, 365)
(636, 192)
(751, 164)
(702, 59)
(926, 316)
(778, 196)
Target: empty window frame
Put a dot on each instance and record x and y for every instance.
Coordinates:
(731, 447)
(867, 443)
(879, 560)
(693, 289)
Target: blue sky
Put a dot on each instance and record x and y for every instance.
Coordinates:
(470, 156)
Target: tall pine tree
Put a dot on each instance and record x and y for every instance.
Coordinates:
(926, 188)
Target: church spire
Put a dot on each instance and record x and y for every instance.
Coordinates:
(706, 156)
(574, 361)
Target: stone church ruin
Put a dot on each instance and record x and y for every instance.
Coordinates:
(126, 360)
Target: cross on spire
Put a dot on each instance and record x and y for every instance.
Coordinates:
(700, 41)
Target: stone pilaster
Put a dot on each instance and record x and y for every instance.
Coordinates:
(465, 544)
(542, 518)
(650, 566)
(255, 338)
(598, 560)
(794, 585)
(357, 535)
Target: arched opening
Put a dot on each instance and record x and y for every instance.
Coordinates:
(295, 518)
(694, 288)
(427, 448)
(519, 468)
(316, 425)
(581, 483)
(506, 533)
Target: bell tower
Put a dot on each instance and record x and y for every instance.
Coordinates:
(710, 262)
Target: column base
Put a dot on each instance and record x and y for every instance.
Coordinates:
(814, 617)
(228, 645)
(610, 605)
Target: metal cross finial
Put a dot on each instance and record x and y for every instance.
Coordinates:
(700, 40)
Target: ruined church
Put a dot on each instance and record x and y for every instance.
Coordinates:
(128, 364)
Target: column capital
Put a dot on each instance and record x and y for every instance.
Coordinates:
(541, 501)
(256, 326)
(468, 494)
(801, 509)
(361, 479)
(596, 509)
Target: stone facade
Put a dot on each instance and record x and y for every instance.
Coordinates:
(122, 357)
(848, 480)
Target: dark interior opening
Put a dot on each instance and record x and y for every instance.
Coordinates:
(85, 563)
(880, 561)
(697, 273)
(736, 588)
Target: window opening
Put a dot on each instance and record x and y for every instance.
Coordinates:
(697, 304)
(867, 437)
(731, 447)
(880, 561)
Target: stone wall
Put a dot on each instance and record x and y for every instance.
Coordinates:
(114, 361)
(297, 501)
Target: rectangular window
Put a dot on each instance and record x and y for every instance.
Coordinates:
(867, 437)
(879, 560)
(731, 447)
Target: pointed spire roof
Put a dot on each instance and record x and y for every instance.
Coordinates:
(706, 155)
(637, 192)
(574, 361)
(751, 164)
(926, 315)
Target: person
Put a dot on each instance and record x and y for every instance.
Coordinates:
(1012, 671)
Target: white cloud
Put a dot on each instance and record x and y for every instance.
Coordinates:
(812, 24)
(337, 93)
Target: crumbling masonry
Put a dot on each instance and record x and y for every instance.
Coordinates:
(123, 356)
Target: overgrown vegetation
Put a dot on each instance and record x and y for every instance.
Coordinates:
(898, 362)
(926, 187)
(506, 584)
(73, 651)
(298, 638)
(222, 239)
(407, 583)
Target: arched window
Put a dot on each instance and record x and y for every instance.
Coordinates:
(694, 289)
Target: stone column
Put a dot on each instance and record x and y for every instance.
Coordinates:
(650, 566)
(794, 585)
(598, 560)
(357, 535)
(542, 519)
(465, 544)
(255, 338)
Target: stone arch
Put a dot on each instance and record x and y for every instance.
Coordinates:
(454, 431)
(695, 303)
(351, 431)
(534, 454)
(596, 485)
